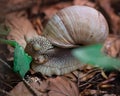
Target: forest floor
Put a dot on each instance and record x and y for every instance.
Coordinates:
(29, 17)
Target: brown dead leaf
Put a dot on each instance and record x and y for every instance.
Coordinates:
(80, 2)
(35, 9)
(84, 76)
(37, 25)
(7, 76)
(17, 5)
(112, 46)
(109, 95)
(49, 11)
(39, 85)
(16, 1)
(71, 76)
(20, 27)
(3, 6)
(84, 2)
(114, 19)
(61, 86)
(89, 92)
(20, 90)
(33, 87)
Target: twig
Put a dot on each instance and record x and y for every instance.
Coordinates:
(89, 72)
(5, 63)
(89, 81)
(30, 87)
(6, 84)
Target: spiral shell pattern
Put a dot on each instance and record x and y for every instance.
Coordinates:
(76, 25)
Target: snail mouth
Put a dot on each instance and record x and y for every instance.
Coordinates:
(41, 59)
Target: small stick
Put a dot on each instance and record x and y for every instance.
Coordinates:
(29, 87)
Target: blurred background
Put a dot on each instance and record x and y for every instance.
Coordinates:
(20, 18)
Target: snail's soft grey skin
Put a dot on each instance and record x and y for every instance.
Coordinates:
(39, 47)
(49, 60)
(69, 28)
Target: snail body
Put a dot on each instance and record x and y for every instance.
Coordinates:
(68, 28)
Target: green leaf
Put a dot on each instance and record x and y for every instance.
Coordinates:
(21, 59)
(10, 42)
(93, 55)
(4, 30)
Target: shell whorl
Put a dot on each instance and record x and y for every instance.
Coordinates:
(76, 25)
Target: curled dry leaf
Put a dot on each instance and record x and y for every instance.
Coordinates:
(72, 76)
(39, 85)
(87, 75)
(62, 86)
(112, 46)
(20, 90)
(20, 28)
(37, 25)
(34, 87)
(59, 86)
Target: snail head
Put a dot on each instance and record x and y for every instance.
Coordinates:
(39, 48)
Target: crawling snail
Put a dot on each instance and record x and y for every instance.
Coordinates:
(67, 29)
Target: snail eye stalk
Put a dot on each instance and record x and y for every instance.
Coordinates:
(36, 47)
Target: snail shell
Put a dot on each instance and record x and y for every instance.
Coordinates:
(76, 25)
(68, 28)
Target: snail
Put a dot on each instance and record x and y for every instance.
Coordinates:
(67, 29)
